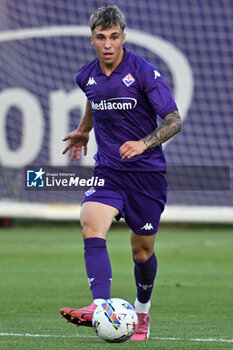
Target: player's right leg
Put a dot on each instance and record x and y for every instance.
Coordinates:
(96, 219)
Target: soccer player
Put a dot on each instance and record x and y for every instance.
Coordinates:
(125, 94)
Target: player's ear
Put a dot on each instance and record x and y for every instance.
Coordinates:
(91, 39)
(124, 36)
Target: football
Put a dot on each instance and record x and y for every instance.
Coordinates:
(115, 320)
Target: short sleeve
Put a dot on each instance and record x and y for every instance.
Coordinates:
(79, 80)
(158, 92)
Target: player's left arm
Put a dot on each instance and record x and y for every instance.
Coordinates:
(171, 125)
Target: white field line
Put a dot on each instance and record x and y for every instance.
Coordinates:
(217, 340)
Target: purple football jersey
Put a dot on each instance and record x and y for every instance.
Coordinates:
(125, 107)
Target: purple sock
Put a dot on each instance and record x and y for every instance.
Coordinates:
(144, 277)
(98, 267)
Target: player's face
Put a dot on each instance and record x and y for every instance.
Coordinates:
(108, 46)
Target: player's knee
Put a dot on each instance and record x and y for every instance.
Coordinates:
(89, 231)
(142, 248)
(141, 254)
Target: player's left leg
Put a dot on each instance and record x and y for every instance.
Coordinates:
(144, 203)
(145, 268)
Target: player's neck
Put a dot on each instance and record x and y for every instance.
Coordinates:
(109, 68)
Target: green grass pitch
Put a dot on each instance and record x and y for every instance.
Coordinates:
(42, 270)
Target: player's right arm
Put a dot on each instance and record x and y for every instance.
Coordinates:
(80, 137)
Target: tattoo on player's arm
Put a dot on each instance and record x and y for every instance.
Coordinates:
(170, 126)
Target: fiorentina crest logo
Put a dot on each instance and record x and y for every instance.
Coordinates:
(128, 80)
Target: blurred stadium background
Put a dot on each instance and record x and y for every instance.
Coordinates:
(42, 46)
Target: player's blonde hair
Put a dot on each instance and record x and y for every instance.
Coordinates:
(106, 18)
